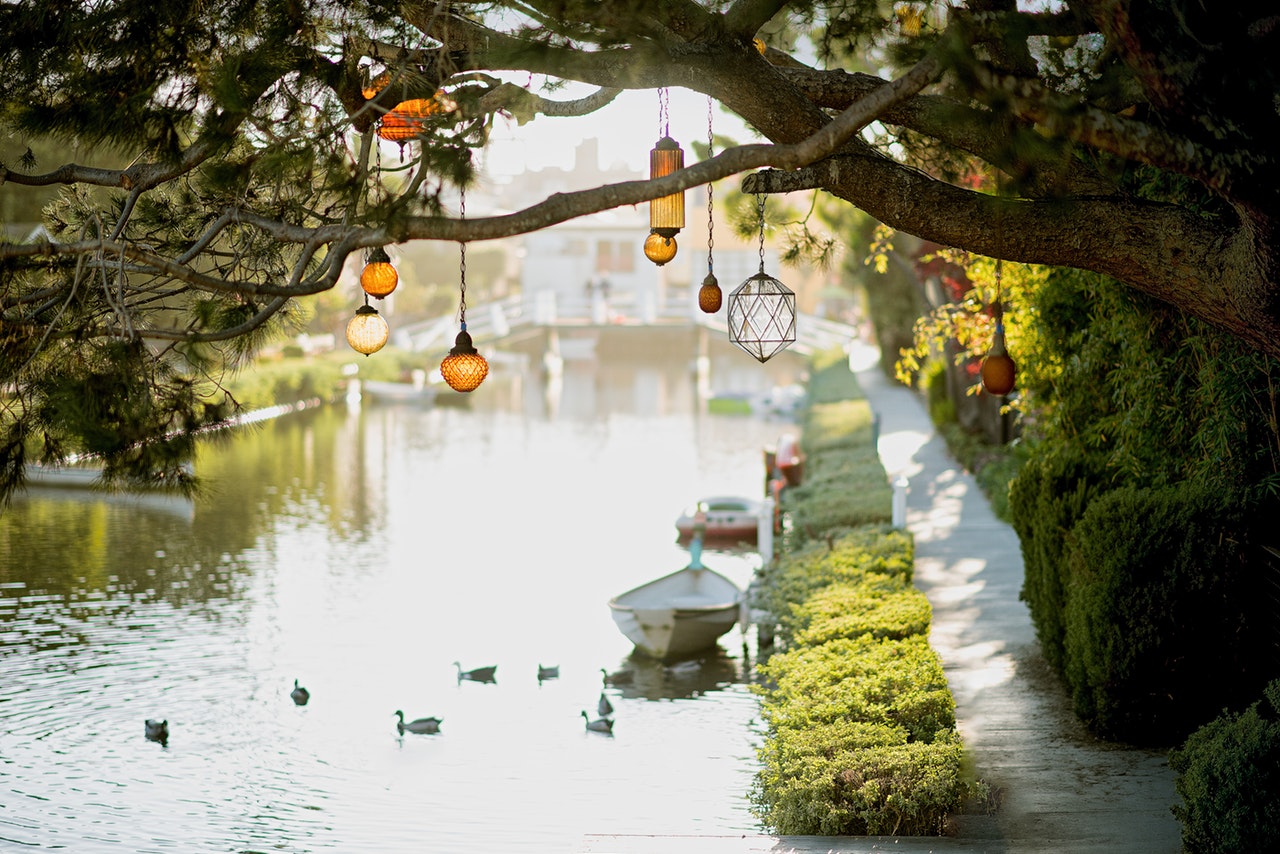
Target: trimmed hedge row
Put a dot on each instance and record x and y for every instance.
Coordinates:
(861, 733)
(1141, 597)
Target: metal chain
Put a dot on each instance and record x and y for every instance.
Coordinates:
(760, 211)
(462, 246)
(664, 120)
(711, 223)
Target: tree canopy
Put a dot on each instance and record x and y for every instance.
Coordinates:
(227, 159)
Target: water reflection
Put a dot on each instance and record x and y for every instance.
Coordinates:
(361, 554)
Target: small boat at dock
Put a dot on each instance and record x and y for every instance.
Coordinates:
(678, 614)
(723, 519)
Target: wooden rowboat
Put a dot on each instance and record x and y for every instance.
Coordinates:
(678, 614)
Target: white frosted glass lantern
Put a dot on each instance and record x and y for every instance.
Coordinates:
(762, 316)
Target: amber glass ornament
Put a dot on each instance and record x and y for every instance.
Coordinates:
(998, 369)
(659, 248)
(379, 278)
(464, 368)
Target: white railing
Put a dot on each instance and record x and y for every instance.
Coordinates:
(501, 318)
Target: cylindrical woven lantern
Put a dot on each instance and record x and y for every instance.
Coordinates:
(762, 316)
(658, 248)
(367, 332)
(709, 295)
(379, 278)
(998, 369)
(666, 215)
(464, 368)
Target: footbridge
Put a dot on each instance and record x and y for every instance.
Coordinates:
(547, 311)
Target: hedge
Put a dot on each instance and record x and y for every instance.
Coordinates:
(861, 733)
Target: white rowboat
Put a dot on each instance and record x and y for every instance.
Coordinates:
(678, 614)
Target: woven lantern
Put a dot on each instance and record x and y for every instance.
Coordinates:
(762, 316)
(709, 295)
(464, 368)
(379, 278)
(367, 332)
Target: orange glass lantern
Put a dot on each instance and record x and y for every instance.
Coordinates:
(464, 368)
(666, 215)
(376, 85)
(998, 369)
(658, 248)
(379, 278)
(367, 332)
(405, 121)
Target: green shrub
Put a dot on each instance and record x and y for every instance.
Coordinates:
(849, 558)
(1228, 775)
(830, 378)
(880, 606)
(844, 424)
(1052, 490)
(896, 682)
(855, 779)
(1155, 637)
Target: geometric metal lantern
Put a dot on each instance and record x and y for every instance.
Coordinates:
(762, 316)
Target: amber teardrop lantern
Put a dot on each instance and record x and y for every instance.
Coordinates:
(367, 332)
(464, 368)
(998, 369)
(379, 278)
(709, 295)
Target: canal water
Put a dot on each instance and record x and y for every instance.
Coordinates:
(362, 551)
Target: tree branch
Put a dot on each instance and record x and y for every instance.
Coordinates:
(744, 18)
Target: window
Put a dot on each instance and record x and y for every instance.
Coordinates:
(615, 256)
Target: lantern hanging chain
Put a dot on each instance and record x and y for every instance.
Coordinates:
(664, 119)
(760, 212)
(462, 245)
(711, 223)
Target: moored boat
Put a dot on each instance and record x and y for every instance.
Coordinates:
(678, 614)
(723, 518)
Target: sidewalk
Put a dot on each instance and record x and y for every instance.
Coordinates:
(1058, 790)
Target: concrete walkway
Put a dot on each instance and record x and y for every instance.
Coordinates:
(1056, 788)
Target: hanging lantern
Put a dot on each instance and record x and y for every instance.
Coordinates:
(666, 215)
(376, 85)
(998, 369)
(367, 332)
(406, 120)
(709, 296)
(379, 278)
(762, 316)
(659, 248)
(464, 368)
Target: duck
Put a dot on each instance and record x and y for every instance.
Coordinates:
(299, 694)
(599, 724)
(158, 731)
(545, 673)
(604, 707)
(622, 677)
(479, 674)
(420, 725)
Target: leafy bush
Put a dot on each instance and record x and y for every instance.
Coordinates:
(830, 378)
(1155, 638)
(849, 558)
(846, 424)
(880, 607)
(897, 682)
(1228, 775)
(1052, 490)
